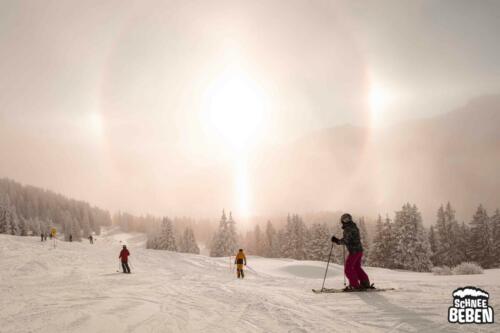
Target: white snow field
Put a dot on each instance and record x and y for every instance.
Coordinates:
(76, 288)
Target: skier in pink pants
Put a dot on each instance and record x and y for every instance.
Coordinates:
(358, 279)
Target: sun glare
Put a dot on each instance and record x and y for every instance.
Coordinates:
(94, 124)
(380, 99)
(234, 109)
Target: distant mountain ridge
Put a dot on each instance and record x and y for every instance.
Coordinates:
(451, 157)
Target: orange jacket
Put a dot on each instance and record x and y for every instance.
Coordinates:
(240, 260)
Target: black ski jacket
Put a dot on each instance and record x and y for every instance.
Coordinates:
(351, 237)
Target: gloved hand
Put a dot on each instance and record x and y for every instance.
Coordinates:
(335, 240)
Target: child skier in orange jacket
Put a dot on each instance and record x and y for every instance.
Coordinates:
(240, 261)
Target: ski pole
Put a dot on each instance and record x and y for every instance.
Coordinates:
(250, 268)
(328, 263)
(343, 254)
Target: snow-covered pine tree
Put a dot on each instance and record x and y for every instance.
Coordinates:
(390, 241)
(318, 243)
(258, 241)
(365, 239)
(248, 242)
(481, 240)
(166, 238)
(495, 224)
(224, 241)
(433, 246)
(281, 240)
(85, 223)
(447, 229)
(67, 222)
(412, 249)
(152, 236)
(269, 241)
(295, 238)
(34, 227)
(23, 227)
(464, 243)
(382, 249)
(8, 217)
(188, 243)
(76, 231)
(377, 255)
(455, 255)
(231, 236)
(441, 233)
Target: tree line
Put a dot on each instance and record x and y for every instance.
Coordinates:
(400, 243)
(29, 210)
(163, 237)
(295, 239)
(446, 243)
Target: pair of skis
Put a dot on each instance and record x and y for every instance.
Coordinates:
(334, 291)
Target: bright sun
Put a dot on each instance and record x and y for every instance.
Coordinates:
(234, 109)
(380, 100)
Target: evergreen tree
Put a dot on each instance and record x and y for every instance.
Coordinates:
(481, 241)
(224, 242)
(447, 251)
(455, 255)
(294, 245)
(23, 227)
(365, 240)
(249, 242)
(85, 224)
(76, 231)
(495, 223)
(382, 249)
(258, 241)
(231, 236)
(188, 243)
(281, 240)
(464, 243)
(27, 203)
(433, 246)
(165, 240)
(5, 214)
(377, 256)
(270, 244)
(412, 250)
(318, 243)
(8, 217)
(34, 227)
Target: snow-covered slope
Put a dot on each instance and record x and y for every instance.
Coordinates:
(76, 288)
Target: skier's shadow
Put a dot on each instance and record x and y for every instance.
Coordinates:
(401, 314)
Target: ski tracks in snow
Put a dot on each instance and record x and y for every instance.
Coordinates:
(75, 288)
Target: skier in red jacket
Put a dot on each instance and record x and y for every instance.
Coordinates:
(124, 257)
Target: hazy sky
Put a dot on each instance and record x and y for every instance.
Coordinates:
(127, 104)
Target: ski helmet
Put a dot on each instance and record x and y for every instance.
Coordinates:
(346, 217)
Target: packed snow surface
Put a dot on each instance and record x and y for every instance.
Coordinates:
(75, 287)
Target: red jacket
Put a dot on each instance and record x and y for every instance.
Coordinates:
(124, 255)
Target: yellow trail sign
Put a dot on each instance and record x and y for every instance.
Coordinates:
(53, 232)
